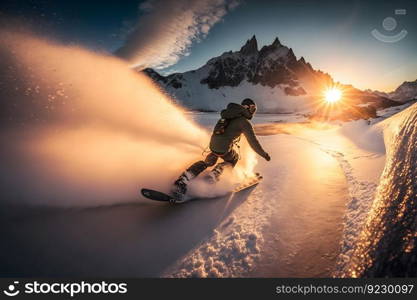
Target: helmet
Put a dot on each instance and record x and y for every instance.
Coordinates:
(251, 105)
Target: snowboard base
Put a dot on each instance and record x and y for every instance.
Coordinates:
(156, 195)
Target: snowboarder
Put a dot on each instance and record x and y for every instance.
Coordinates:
(234, 121)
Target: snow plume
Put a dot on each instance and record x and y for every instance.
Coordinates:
(168, 28)
(81, 128)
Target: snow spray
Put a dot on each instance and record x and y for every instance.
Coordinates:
(80, 128)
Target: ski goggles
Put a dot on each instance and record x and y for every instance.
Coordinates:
(252, 108)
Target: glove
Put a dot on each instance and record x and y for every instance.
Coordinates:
(267, 157)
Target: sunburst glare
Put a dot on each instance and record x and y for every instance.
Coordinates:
(333, 95)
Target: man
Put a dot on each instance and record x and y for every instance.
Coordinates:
(234, 121)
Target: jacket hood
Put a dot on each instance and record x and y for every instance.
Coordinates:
(234, 110)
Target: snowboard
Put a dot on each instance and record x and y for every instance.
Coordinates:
(248, 182)
(160, 196)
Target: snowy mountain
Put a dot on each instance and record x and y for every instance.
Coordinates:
(273, 76)
(405, 92)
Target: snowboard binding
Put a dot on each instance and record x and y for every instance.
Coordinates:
(179, 189)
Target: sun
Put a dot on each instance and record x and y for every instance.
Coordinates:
(333, 95)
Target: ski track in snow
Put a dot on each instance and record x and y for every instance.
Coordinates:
(361, 195)
(236, 244)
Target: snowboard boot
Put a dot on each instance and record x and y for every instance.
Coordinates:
(179, 189)
(214, 175)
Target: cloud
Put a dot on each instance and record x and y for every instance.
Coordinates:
(168, 29)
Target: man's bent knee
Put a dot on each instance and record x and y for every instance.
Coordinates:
(197, 167)
(211, 159)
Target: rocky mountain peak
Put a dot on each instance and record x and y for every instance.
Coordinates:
(409, 83)
(406, 91)
(251, 47)
(273, 65)
(276, 47)
(276, 43)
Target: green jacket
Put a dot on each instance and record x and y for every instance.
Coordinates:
(238, 123)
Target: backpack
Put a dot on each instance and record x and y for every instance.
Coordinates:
(221, 126)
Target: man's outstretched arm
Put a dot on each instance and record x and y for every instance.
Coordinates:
(253, 140)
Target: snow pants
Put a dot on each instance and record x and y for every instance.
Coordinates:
(229, 158)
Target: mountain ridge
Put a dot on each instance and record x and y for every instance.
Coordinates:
(272, 75)
(404, 92)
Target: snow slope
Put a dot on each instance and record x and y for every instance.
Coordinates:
(271, 100)
(278, 221)
(359, 150)
(303, 220)
(351, 174)
(239, 236)
(386, 245)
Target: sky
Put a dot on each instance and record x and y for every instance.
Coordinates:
(334, 36)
